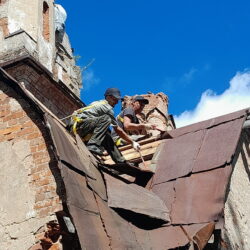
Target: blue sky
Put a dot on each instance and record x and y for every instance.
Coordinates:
(190, 50)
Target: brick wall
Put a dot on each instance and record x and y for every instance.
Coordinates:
(4, 25)
(20, 124)
(46, 33)
(44, 90)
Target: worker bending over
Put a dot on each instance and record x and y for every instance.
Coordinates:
(128, 121)
(92, 124)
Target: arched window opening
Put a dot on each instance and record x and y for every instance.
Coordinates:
(46, 33)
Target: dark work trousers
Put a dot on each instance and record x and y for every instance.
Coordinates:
(101, 135)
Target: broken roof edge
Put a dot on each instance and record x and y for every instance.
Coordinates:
(209, 123)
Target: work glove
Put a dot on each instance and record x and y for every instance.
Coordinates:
(136, 145)
(149, 126)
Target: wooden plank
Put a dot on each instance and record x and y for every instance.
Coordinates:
(142, 142)
(135, 155)
(131, 150)
(143, 147)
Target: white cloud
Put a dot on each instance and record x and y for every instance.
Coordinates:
(236, 97)
(89, 79)
(188, 77)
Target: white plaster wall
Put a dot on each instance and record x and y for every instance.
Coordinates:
(3, 13)
(46, 53)
(237, 208)
(21, 40)
(1, 39)
(24, 15)
(4, 9)
(28, 15)
(46, 49)
(18, 221)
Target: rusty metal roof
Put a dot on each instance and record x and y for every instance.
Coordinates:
(192, 172)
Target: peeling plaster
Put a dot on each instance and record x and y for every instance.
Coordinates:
(18, 221)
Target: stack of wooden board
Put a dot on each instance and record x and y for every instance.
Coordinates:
(148, 148)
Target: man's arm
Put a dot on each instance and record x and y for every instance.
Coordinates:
(123, 134)
(125, 137)
(128, 125)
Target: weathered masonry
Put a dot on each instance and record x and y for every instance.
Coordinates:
(35, 30)
(192, 191)
(62, 193)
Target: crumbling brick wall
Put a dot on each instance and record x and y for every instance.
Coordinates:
(31, 186)
(44, 90)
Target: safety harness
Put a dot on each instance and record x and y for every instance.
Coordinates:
(76, 120)
(118, 141)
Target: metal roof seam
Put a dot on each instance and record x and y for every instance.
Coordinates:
(103, 224)
(199, 149)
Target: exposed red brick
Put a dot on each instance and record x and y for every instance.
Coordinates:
(10, 130)
(45, 91)
(39, 197)
(33, 149)
(12, 122)
(28, 124)
(4, 25)
(37, 141)
(33, 136)
(43, 182)
(25, 131)
(44, 211)
(4, 113)
(25, 124)
(10, 137)
(40, 167)
(39, 155)
(41, 147)
(46, 32)
(43, 160)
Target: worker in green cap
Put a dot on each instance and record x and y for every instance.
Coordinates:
(92, 124)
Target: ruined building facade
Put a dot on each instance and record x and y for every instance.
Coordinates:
(53, 192)
(36, 54)
(34, 51)
(35, 30)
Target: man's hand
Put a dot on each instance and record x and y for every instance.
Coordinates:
(149, 126)
(136, 145)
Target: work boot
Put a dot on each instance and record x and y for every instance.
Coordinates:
(129, 164)
(95, 150)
